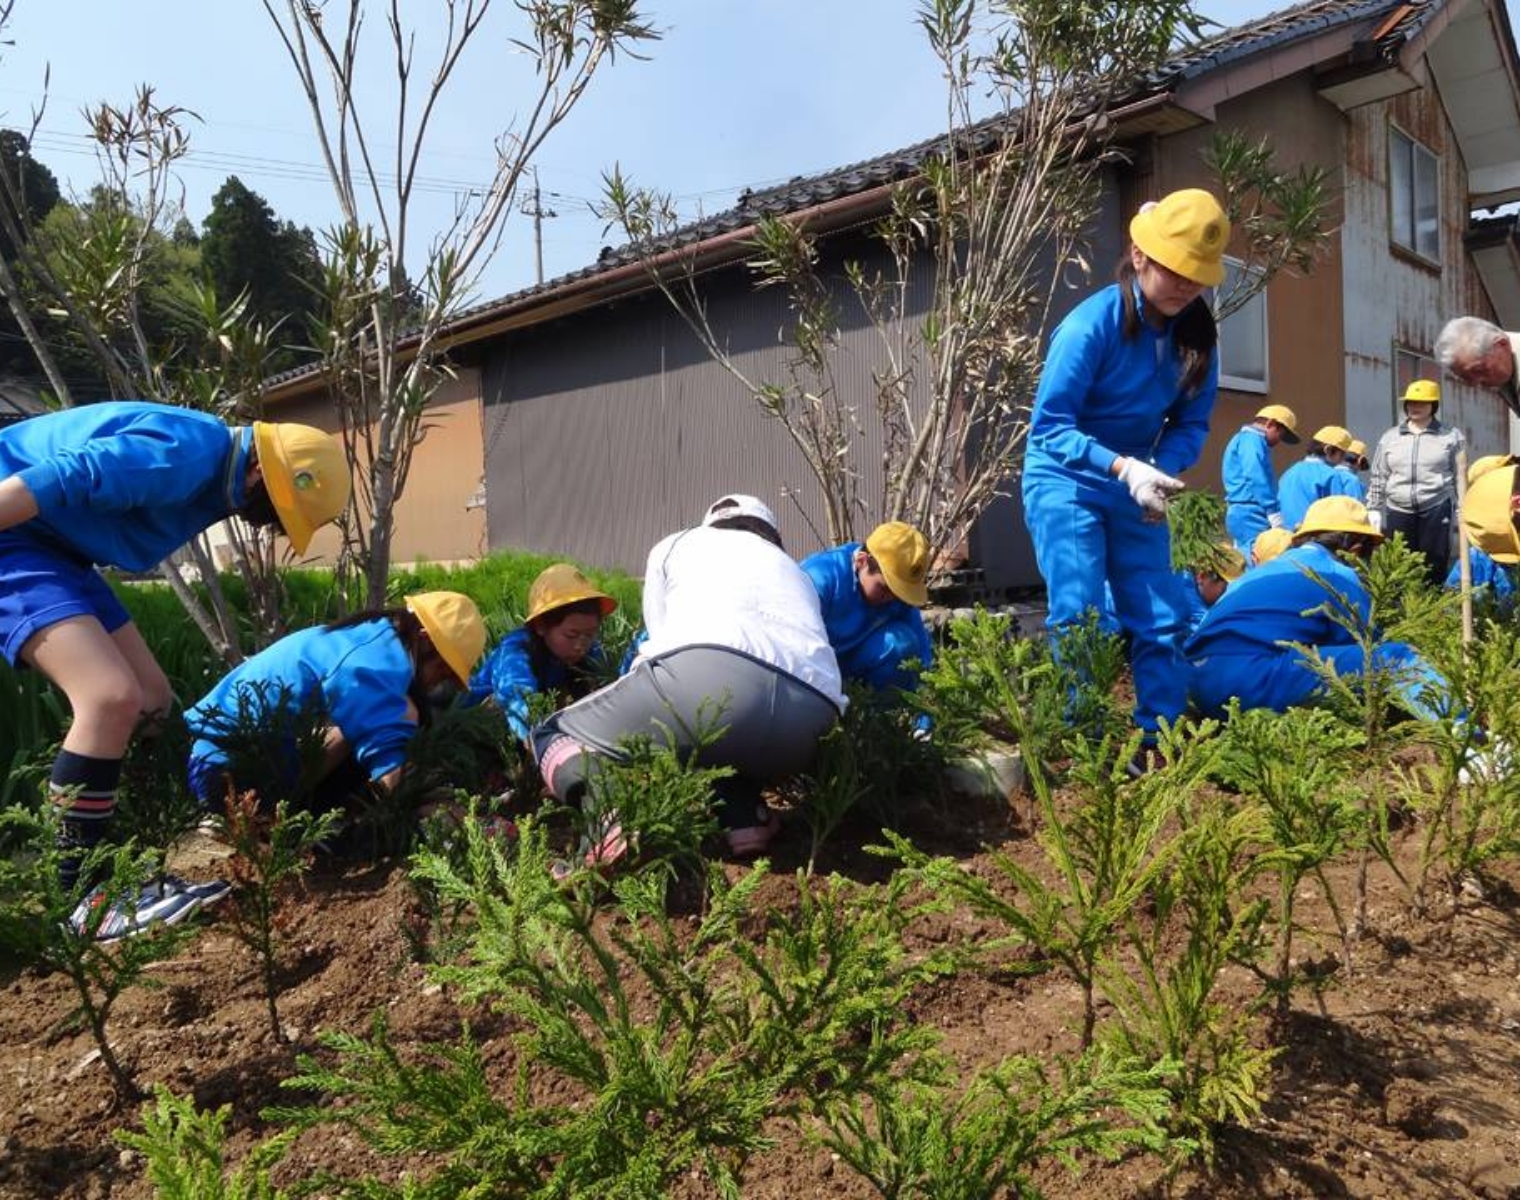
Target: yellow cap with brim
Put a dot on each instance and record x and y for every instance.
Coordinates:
(1489, 517)
(1423, 391)
(306, 475)
(1480, 467)
(1185, 232)
(1333, 435)
(1337, 514)
(902, 553)
(454, 625)
(560, 586)
(1270, 543)
(1285, 417)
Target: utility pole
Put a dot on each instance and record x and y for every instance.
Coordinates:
(536, 210)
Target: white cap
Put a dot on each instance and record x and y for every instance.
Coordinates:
(736, 504)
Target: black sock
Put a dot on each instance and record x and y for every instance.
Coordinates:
(85, 788)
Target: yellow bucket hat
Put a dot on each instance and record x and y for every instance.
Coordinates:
(1185, 232)
(1333, 435)
(306, 475)
(1423, 391)
(562, 585)
(1285, 417)
(1337, 514)
(1480, 467)
(1488, 514)
(1230, 563)
(1269, 544)
(902, 553)
(453, 623)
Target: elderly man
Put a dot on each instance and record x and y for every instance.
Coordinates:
(1480, 354)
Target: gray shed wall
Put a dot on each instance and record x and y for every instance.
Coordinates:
(607, 430)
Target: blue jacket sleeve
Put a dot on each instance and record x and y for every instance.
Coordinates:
(1076, 353)
(1187, 424)
(507, 676)
(147, 467)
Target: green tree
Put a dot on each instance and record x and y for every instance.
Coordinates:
(246, 248)
(36, 189)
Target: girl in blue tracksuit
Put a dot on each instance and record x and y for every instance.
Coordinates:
(1314, 476)
(555, 651)
(125, 484)
(1250, 483)
(1243, 646)
(364, 680)
(870, 594)
(1123, 405)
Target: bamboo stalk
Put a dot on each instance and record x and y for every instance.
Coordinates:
(1464, 562)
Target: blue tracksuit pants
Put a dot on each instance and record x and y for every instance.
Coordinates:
(1085, 536)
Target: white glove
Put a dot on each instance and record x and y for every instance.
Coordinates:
(1375, 519)
(1275, 520)
(1150, 488)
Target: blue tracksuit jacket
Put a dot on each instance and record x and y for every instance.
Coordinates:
(126, 483)
(870, 642)
(1498, 578)
(1250, 486)
(1303, 483)
(1102, 396)
(507, 674)
(358, 676)
(1239, 648)
(1348, 483)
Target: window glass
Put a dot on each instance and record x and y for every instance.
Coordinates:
(1243, 334)
(1414, 196)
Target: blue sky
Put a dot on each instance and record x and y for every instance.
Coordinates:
(737, 93)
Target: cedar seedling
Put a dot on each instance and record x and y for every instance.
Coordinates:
(1200, 919)
(949, 1141)
(185, 1151)
(690, 1039)
(1196, 523)
(270, 852)
(1294, 764)
(35, 925)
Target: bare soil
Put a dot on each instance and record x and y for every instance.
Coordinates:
(1401, 1080)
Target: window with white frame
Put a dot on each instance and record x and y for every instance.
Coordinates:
(1409, 365)
(1414, 196)
(1243, 334)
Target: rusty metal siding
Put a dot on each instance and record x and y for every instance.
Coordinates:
(1393, 300)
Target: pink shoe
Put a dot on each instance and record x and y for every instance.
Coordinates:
(608, 849)
(752, 840)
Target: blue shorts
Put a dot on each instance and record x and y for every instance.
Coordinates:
(41, 585)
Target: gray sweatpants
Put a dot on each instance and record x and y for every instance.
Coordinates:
(770, 723)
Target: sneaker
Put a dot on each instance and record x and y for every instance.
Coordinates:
(749, 841)
(212, 891)
(156, 905)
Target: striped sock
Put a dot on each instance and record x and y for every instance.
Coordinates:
(85, 788)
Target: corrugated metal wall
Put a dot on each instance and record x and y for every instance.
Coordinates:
(609, 429)
(1396, 301)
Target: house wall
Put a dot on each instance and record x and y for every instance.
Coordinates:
(439, 517)
(1394, 299)
(1304, 312)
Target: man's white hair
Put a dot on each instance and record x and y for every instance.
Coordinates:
(1464, 341)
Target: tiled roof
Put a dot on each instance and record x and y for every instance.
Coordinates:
(1228, 48)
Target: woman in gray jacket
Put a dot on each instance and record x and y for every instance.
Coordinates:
(1413, 488)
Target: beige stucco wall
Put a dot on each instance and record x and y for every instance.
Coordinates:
(441, 516)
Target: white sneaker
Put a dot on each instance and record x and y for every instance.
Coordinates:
(212, 891)
(155, 905)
